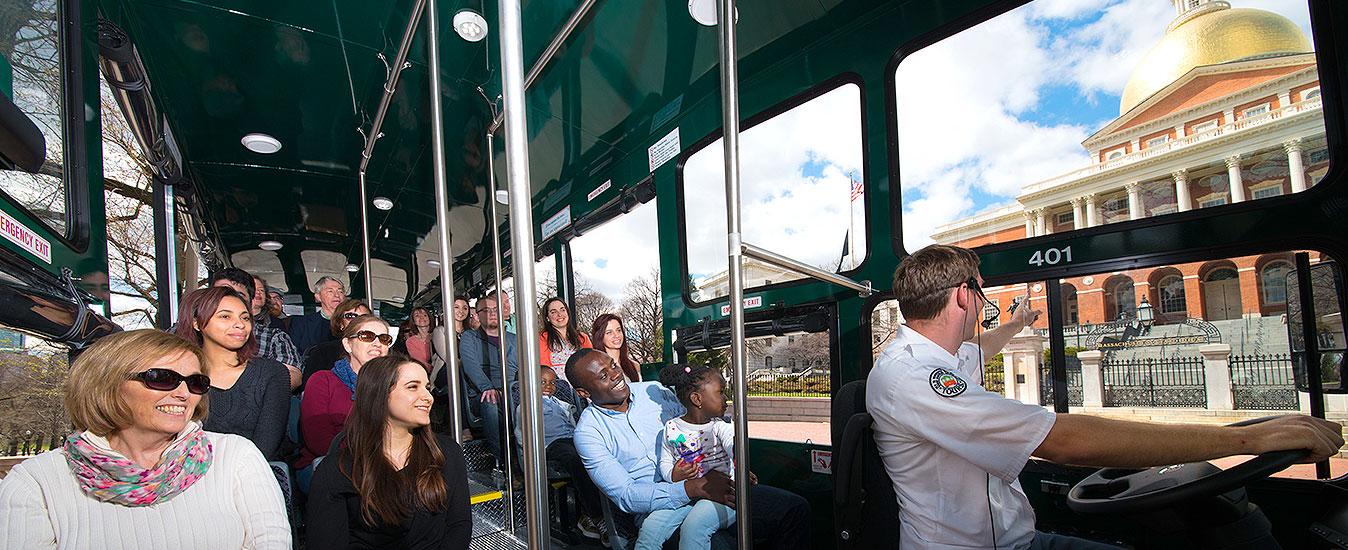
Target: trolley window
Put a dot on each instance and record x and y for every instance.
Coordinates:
(1055, 117)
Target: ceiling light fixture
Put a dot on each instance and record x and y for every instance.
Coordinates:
(269, 245)
(398, 299)
(382, 203)
(261, 143)
(433, 262)
(503, 196)
(705, 12)
(470, 25)
(352, 268)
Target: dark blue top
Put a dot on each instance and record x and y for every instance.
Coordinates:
(308, 330)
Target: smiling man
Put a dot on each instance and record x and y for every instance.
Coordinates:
(617, 440)
(314, 328)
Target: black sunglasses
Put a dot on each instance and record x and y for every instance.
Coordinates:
(350, 315)
(168, 380)
(367, 337)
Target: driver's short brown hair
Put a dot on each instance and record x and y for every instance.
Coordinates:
(922, 276)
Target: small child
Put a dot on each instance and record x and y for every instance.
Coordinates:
(697, 443)
(559, 412)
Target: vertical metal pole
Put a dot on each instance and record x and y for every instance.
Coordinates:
(500, 316)
(522, 240)
(365, 242)
(566, 276)
(442, 222)
(1057, 346)
(166, 254)
(730, 118)
(1306, 294)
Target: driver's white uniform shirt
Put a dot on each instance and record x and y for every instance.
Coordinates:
(952, 449)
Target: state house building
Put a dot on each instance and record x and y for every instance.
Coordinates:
(1224, 109)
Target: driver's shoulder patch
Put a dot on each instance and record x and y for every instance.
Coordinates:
(946, 384)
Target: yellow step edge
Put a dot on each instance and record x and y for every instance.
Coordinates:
(493, 495)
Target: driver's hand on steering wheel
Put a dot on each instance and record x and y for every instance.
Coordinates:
(1322, 437)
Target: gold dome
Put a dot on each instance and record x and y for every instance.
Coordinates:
(1215, 36)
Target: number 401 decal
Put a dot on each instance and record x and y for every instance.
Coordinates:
(1052, 256)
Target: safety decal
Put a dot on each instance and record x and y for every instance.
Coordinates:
(946, 384)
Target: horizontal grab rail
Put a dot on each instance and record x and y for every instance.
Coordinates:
(757, 253)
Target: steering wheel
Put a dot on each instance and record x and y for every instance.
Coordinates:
(1114, 490)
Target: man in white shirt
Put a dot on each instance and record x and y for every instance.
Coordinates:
(954, 450)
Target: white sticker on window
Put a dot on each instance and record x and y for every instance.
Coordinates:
(557, 222)
(19, 234)
(665, 149)
(602, 187)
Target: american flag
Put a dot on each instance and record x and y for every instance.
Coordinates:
(857, 188)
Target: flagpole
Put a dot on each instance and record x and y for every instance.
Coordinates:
(851, 221)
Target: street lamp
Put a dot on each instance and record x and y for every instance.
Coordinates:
(1145, 313)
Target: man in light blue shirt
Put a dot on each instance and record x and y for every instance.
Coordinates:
(618, 439)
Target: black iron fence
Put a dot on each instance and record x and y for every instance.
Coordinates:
(994, 378)
(812, 382)
(1154, 382)
(1263, 382)
(1073, 383)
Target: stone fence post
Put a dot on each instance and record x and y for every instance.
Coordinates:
(1217, 376)
(1092, 383)
(1021, 357)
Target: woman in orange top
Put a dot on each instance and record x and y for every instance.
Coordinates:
(559, 338)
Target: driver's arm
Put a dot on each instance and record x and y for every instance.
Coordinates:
(1086, 440)
(994, 339)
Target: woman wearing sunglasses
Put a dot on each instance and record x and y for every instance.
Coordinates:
(250, 394)
(328, 395)
(322, 356)
(395, 484)
(139, 470)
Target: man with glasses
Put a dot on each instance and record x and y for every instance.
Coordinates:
(314, 328)
(480, 356)
(954, 450)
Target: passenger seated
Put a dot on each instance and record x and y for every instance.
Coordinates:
(700, 441)
(559, 411)
(954, 450)
(329, 394)
(617, 440)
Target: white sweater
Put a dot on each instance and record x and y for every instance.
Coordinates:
(237, 504)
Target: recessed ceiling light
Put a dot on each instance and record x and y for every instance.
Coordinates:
(269, 245)
(261, 143)
(433, 262)
(352, 268)
(382, 203)
(470, 25)
(396, 299)
(705, 12)
(503, 196)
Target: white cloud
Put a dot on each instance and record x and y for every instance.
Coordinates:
(627, 246)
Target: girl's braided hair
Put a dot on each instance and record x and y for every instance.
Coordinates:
(685, 379)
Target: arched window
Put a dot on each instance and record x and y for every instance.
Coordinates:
(1122, 302)
(1273, 282)
(1069, 305)
(1171, 294)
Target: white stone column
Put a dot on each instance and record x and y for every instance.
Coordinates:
(1284, 99)
(1228, 116)
(1217, 376)
(1134, 200)
(1294, 166)
(1029, 224)
(1233, 176)
(1182, 201)
(1092, 213)
(1021, 357)
(1041, 221)
(1092, 382)
(1078, 220)
(1136, 143)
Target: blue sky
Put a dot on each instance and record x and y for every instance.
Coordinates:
(1008, 102)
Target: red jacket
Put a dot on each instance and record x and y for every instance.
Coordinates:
(323, 412)
(545, 352)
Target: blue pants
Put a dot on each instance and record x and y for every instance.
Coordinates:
(491, 423)
(696, 523)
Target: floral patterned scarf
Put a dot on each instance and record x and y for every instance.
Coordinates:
(110, 477)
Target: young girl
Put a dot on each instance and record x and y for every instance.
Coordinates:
(697, 443)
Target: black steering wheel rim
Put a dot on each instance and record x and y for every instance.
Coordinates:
(1259, 467)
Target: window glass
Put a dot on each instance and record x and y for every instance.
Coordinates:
(801, 189)
(35, 418)
(32, 51)
(1055, 103)
(264, 264)
(320, 263)
(1152, 338)
(617, 271)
